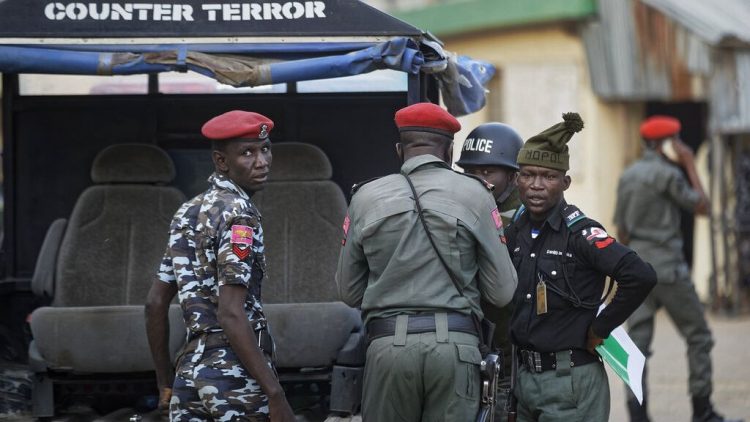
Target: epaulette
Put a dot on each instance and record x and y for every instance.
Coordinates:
(519, 212)
(574, 218)
(357, 186)
(490, 187)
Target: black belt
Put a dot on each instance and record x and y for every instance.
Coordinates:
(539, 362)
(219, 339)
(422, 323)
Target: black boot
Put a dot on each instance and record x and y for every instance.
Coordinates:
(638, 412)
(703, 411)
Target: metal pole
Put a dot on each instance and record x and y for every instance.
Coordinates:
(415, 87)
(10, 92)
(724, 224)
(715, 167)
(736, 297)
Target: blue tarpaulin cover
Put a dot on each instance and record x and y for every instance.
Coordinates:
(461, 79)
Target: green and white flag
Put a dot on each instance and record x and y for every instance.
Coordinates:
(625, 359)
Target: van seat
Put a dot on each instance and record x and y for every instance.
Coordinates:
(98, 269)
(302, 212)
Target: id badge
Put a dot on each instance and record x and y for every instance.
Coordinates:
(541, 298)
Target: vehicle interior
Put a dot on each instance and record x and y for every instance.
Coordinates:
(101, 143)
(108, 171)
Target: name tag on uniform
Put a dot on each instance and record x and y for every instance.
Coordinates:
(541, 298)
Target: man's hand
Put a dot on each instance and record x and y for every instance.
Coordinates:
(165, 395)
(592, 341)
(684, 153)
(687, 161)
(279, 409)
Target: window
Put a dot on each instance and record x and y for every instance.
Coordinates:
(169, 83)
(377, 81)
(195, 83)
(35, 84)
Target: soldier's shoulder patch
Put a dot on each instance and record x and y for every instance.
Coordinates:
(598, 237)
(242, 235)
(242, 240)
(497, 218)
(489, 186)
(345, 226)
(358, 186)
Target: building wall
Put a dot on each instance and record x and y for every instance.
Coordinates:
(542, 73)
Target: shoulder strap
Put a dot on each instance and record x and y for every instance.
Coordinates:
(574, 218)
(358, 185)
(429, 236)
(518, 213)
(489, 186)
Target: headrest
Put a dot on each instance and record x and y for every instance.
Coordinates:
(298, 161)
(132, 163)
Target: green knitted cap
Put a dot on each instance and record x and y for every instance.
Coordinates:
(550, 148)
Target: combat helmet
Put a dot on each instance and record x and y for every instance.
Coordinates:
(491, 144)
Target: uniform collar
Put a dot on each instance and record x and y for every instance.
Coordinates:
(651, 155)
(555, 219)
(222, 182)
(512, 201)
(420, 160)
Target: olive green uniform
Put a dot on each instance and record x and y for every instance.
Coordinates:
(389, 268)
(501, 316)
(509, 207)
(649, 198)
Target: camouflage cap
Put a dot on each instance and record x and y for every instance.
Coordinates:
(550, 148)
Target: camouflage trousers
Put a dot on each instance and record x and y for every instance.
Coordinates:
(212, 385)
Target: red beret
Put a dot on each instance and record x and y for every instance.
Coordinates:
(238, 124)
(660, 127)
(427, 117)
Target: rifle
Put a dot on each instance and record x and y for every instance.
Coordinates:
(511, 404)
(490, 370)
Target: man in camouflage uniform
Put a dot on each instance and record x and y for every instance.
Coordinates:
(490, 152)
(215, 263)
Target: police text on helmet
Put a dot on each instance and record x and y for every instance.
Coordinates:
(481, 145)
(58, 11)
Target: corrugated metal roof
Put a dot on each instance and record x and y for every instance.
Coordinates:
(729, 96)
(718, 22)
(636, 53)
(674, 50)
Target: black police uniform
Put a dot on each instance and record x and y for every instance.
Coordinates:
(572, 255)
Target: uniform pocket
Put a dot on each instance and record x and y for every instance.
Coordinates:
(466, 374)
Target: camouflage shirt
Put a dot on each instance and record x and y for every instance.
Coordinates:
(215, 239)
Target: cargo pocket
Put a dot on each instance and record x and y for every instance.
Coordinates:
(467, 371)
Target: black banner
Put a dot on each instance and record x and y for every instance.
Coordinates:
(194, 18)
